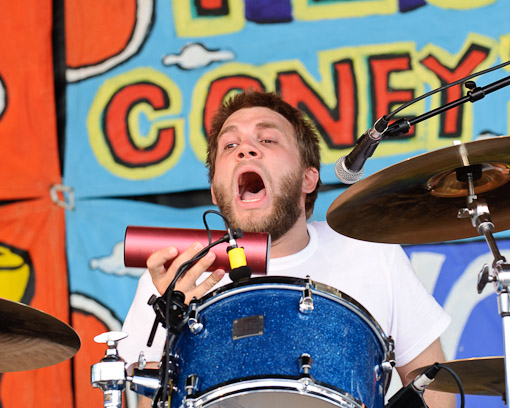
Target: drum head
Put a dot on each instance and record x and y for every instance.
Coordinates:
(280, 399)
(276, 392)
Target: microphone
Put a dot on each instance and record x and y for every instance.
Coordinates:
(349, 169)
(411, 396)
(239, 268)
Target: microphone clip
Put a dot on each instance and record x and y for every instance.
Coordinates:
(411, 396)
(177, 317)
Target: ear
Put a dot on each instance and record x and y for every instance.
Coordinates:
(310, 180)
(213, 196)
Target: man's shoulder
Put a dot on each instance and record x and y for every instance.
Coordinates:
(321, 227)
(323, 230)
(327, 234)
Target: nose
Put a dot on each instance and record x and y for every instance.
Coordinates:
(248, 150)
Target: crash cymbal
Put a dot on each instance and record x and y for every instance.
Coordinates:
(479, 376)
(30, 338)
(417, 200)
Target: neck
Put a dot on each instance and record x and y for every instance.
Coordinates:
(293, 241)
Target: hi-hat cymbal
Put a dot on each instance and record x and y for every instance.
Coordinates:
(417, 200)
(479, 376)
(30, 338)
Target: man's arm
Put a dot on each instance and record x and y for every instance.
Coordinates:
(432, 354)
(144, 402)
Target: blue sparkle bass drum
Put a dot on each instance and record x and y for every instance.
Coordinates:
(280, 342)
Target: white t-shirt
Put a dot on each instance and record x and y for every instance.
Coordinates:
(377, 276)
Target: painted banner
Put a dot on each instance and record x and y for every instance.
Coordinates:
(33, 267)
(143, 79)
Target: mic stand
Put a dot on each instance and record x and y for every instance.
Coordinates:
(402, 126)
(478, 211)
(176, 306)
(173, 314)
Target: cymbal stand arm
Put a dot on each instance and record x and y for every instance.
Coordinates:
(478, 211)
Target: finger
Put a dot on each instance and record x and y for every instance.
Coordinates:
(202, 265)
(206, 285)
(156, 266)
(157, 260)
(161, 277)
(185, 256)
(188, 283)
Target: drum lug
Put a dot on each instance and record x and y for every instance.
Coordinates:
(191, 388)
(389, 362)
(305, 363)
(194, 320)
(387, 366)
(306, 302)
(191, 385)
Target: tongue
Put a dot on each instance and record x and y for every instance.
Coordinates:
(249, 196)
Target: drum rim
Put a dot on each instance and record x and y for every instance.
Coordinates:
(291, 283)
(296, 385)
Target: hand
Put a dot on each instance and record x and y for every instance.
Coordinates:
(161, 277)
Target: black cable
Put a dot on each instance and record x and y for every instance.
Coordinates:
(171, 337)
(458, 381)
(225, 220)
(442, 88)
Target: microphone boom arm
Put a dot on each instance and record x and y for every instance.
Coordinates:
(474, 94)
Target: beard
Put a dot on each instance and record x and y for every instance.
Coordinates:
(284, 213)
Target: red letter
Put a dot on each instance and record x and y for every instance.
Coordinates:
(220, 88)
(451, 120)
(117, 133)
(384, 98)
(337, 126)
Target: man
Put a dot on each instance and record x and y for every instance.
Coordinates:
(264, 162)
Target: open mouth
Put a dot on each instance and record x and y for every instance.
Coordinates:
(251, 187)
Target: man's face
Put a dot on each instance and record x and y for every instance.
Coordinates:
(258, 179)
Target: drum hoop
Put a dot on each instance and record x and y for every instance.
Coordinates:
(299, 386)
(291, 283)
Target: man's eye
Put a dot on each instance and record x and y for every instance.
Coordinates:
(267, 141)
(230, 146)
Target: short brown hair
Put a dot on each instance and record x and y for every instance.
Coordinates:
(306, 137)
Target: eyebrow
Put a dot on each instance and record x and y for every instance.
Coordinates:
(260, 125)
(226, 130)
(269, 125)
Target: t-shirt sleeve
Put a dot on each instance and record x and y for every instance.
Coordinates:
(138, 325)
(418, 319)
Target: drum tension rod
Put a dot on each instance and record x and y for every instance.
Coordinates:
(191, 385)
(306, 305)
(194, 324)
(305, 363)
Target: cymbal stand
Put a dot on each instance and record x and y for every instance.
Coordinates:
(111, 377)
(109, 374)
(478, 210)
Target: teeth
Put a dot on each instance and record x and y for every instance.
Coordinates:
(251, 201)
